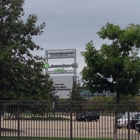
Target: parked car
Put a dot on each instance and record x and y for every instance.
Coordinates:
(134, 120)
(137, 126)
(88, 116)
(123, 121)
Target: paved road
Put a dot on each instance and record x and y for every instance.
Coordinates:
(100, 129)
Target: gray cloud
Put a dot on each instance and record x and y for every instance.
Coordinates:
(73, 23)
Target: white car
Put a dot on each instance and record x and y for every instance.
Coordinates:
(122, 122)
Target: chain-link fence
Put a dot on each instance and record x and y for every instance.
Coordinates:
(36, 120)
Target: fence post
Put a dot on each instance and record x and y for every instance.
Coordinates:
(128, 104)
(18, 115)
(70, 119)
(0, 122)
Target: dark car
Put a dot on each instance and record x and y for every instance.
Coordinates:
(137, 126)
(88, 116)
(134, 120)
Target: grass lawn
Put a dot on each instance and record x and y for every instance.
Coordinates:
(41, 138)
(39, 118)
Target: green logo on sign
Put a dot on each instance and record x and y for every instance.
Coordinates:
(46, 65)
(58, 70)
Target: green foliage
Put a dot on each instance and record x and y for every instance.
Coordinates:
(115, 66)
(75, 93)
(76, 98)
(40, 108)
(102, 99)
(63, 105)
(125, 98)
(21, 73)
(102, 104)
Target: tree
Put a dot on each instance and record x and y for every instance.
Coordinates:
(115, 66)
(76, 98)
(75, 92)
(21, 72)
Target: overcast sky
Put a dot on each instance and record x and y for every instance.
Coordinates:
(73, 23)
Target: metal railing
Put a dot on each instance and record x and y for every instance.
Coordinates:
(37, 120)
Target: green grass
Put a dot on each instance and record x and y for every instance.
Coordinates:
(41, 138)
(39, 118)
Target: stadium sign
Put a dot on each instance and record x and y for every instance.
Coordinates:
(47, 66)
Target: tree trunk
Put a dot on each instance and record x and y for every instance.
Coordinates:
(116, 116)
